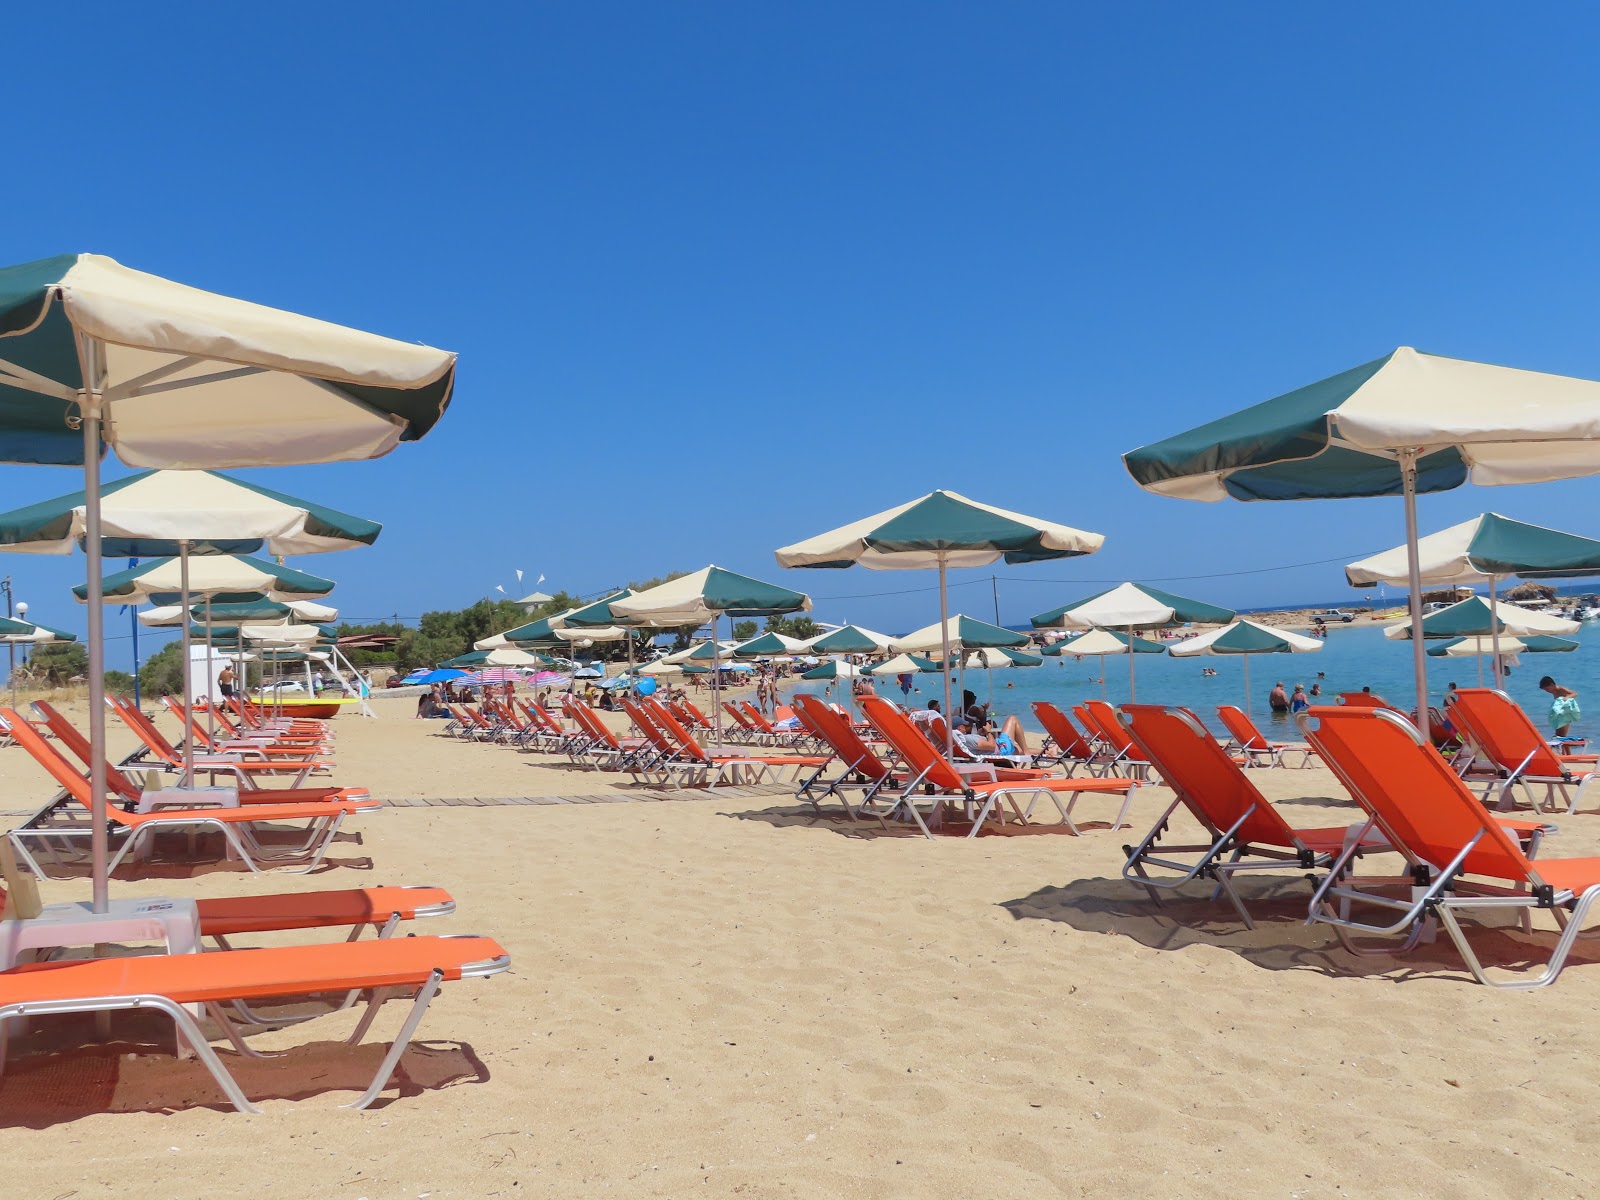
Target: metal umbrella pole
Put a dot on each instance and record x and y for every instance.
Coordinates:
(1419, 662)
(1133, 691)
(90, 398)
(187, 641)
(1494, 635)
(944, 649)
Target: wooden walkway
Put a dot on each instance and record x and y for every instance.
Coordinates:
(641, 795)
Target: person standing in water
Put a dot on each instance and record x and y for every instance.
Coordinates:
(1278, 699)
(1564, 708)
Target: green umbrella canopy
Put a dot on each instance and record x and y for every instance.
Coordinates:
(541, 631)
(905, 664)
(833, 670)
(706, 594)
(26, 631)
(1338, 437)
(1247, 637)
(996, 657)
(1487, 547)
(225, 578)
(940, 527)
(1532, 644)
(146, 515)
(1103, 641)
(1132, 606)
(767, 645)
(963, 632)
(597, 613)
(1473, 617)
(196, 379)
(850, 639)
(326, 634)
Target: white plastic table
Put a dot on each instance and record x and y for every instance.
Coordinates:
(173, 922)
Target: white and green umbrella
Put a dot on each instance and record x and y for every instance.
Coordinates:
(1497, 648)
(1245, 637)
(1477, 617)
(957, 634)
(770, 645)
(703, 653)
(1130, 606)
(1102, 644)
(503, 656)
(19, 633)
(707, 595)
(834, 669)
(904, 664)
(847, 639)
(995, 658)
(95, 355)
(1401, 424)
(662, 667)
(936, 532)
(1487, 548)
(260, 611)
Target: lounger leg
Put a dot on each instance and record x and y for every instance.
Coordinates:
(402, 1039)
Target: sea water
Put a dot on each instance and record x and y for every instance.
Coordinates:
(1350, 660)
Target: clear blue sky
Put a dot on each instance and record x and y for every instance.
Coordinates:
(722, 276)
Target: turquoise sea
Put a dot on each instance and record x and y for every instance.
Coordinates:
(1350, 660)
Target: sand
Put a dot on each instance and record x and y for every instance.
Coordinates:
(714, 996)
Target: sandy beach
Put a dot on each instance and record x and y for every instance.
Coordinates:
(713, 995)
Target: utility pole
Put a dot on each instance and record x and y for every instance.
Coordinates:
(5, 585)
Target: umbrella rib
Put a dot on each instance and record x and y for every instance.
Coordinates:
(135, 388)
(34, 382)
(131, 387)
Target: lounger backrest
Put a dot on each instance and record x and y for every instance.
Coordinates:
(757, 717)
(1105, 717)
(1505, 733)
(592, 724)
(699, 717)
(1206, 779)
(1242, 728)
(73, 740)
(744, 721)
(899, 731)
(1407, 785)
(842, 739)
(48, 757)
(1363, 700)
(1059, 726)
(648, 728)
(675, 730)
(186, 721)
(145, 730)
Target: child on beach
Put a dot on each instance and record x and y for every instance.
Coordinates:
(1564, 709)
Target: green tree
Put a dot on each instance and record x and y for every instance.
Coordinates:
(119, 683)
(795, 627)
(57, 662)
(162, 673)
(743, 631)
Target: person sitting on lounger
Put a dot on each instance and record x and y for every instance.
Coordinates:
(1009, 739)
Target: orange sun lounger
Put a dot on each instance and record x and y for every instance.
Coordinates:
(53, 828)
(1072, 749)
(1244, 833)
(391, 968)
(860, 766)
(1253, 744)
(1462, 858)
(929, 771)
(1503, 735)
(169, 758)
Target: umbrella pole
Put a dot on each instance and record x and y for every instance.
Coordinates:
(944, 647)
(188, 667)
(211, 711)
(1496, 664)
(1133, 694)
(89, 402)
(716, 683)
(1103, 675)
(1247, 685)
(1419, 662)
(1494, 633)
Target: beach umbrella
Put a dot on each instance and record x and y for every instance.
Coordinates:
(956, 634)
(502, 656)
(662, 667)
(904, 664)
(1401, 424)
(936, 532)
(708, 595)
(834, 669)
(1477, 617)
(26, 633)
(1104, 643)
(95, 355)
(260, 611)
(1130, 606)
(999, 657)
(1487, 548)
(1245, 637)
(703, 652)
(848, 639)
(444, 675)
(1493, 649)
(769, 645)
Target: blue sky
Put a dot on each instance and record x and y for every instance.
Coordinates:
(724, 276)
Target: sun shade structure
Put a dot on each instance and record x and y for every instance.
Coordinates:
(1130, 606)
(957, 634)
(995, 658)
(904, 664)
(1404, 423)
(258, 611)
(1245, 638)
(939, 531)
(662, 667)
(834, 669)
(504, 656)
(703, 653)
(1477, 617)
(95, 355)
(707, 595)
(1487, 548)
(154, 513)
(848, 639)
(1103, 643)
(769, 645)
(22, 632)
(226, 578)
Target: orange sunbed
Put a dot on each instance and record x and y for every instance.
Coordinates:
(1504, 735)
(169, 759)
(1461, 858)
(928, 769)
(1072, 748)
(414, 967)
(1253, 744)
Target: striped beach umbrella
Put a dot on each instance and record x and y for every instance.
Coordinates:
(96, 355)
(835, 668)
(1477, 617)
(1127, 607)
(1244, 637)
(957, 634)
(1487, 548)
(1493, 649)
(848, 639)
(225, 578)
(503, 656)
(1103, 643)
(904, 664)
(770, 645)
(1401, 424)
(936, 532)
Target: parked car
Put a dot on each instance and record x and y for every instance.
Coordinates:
(1333, 614)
